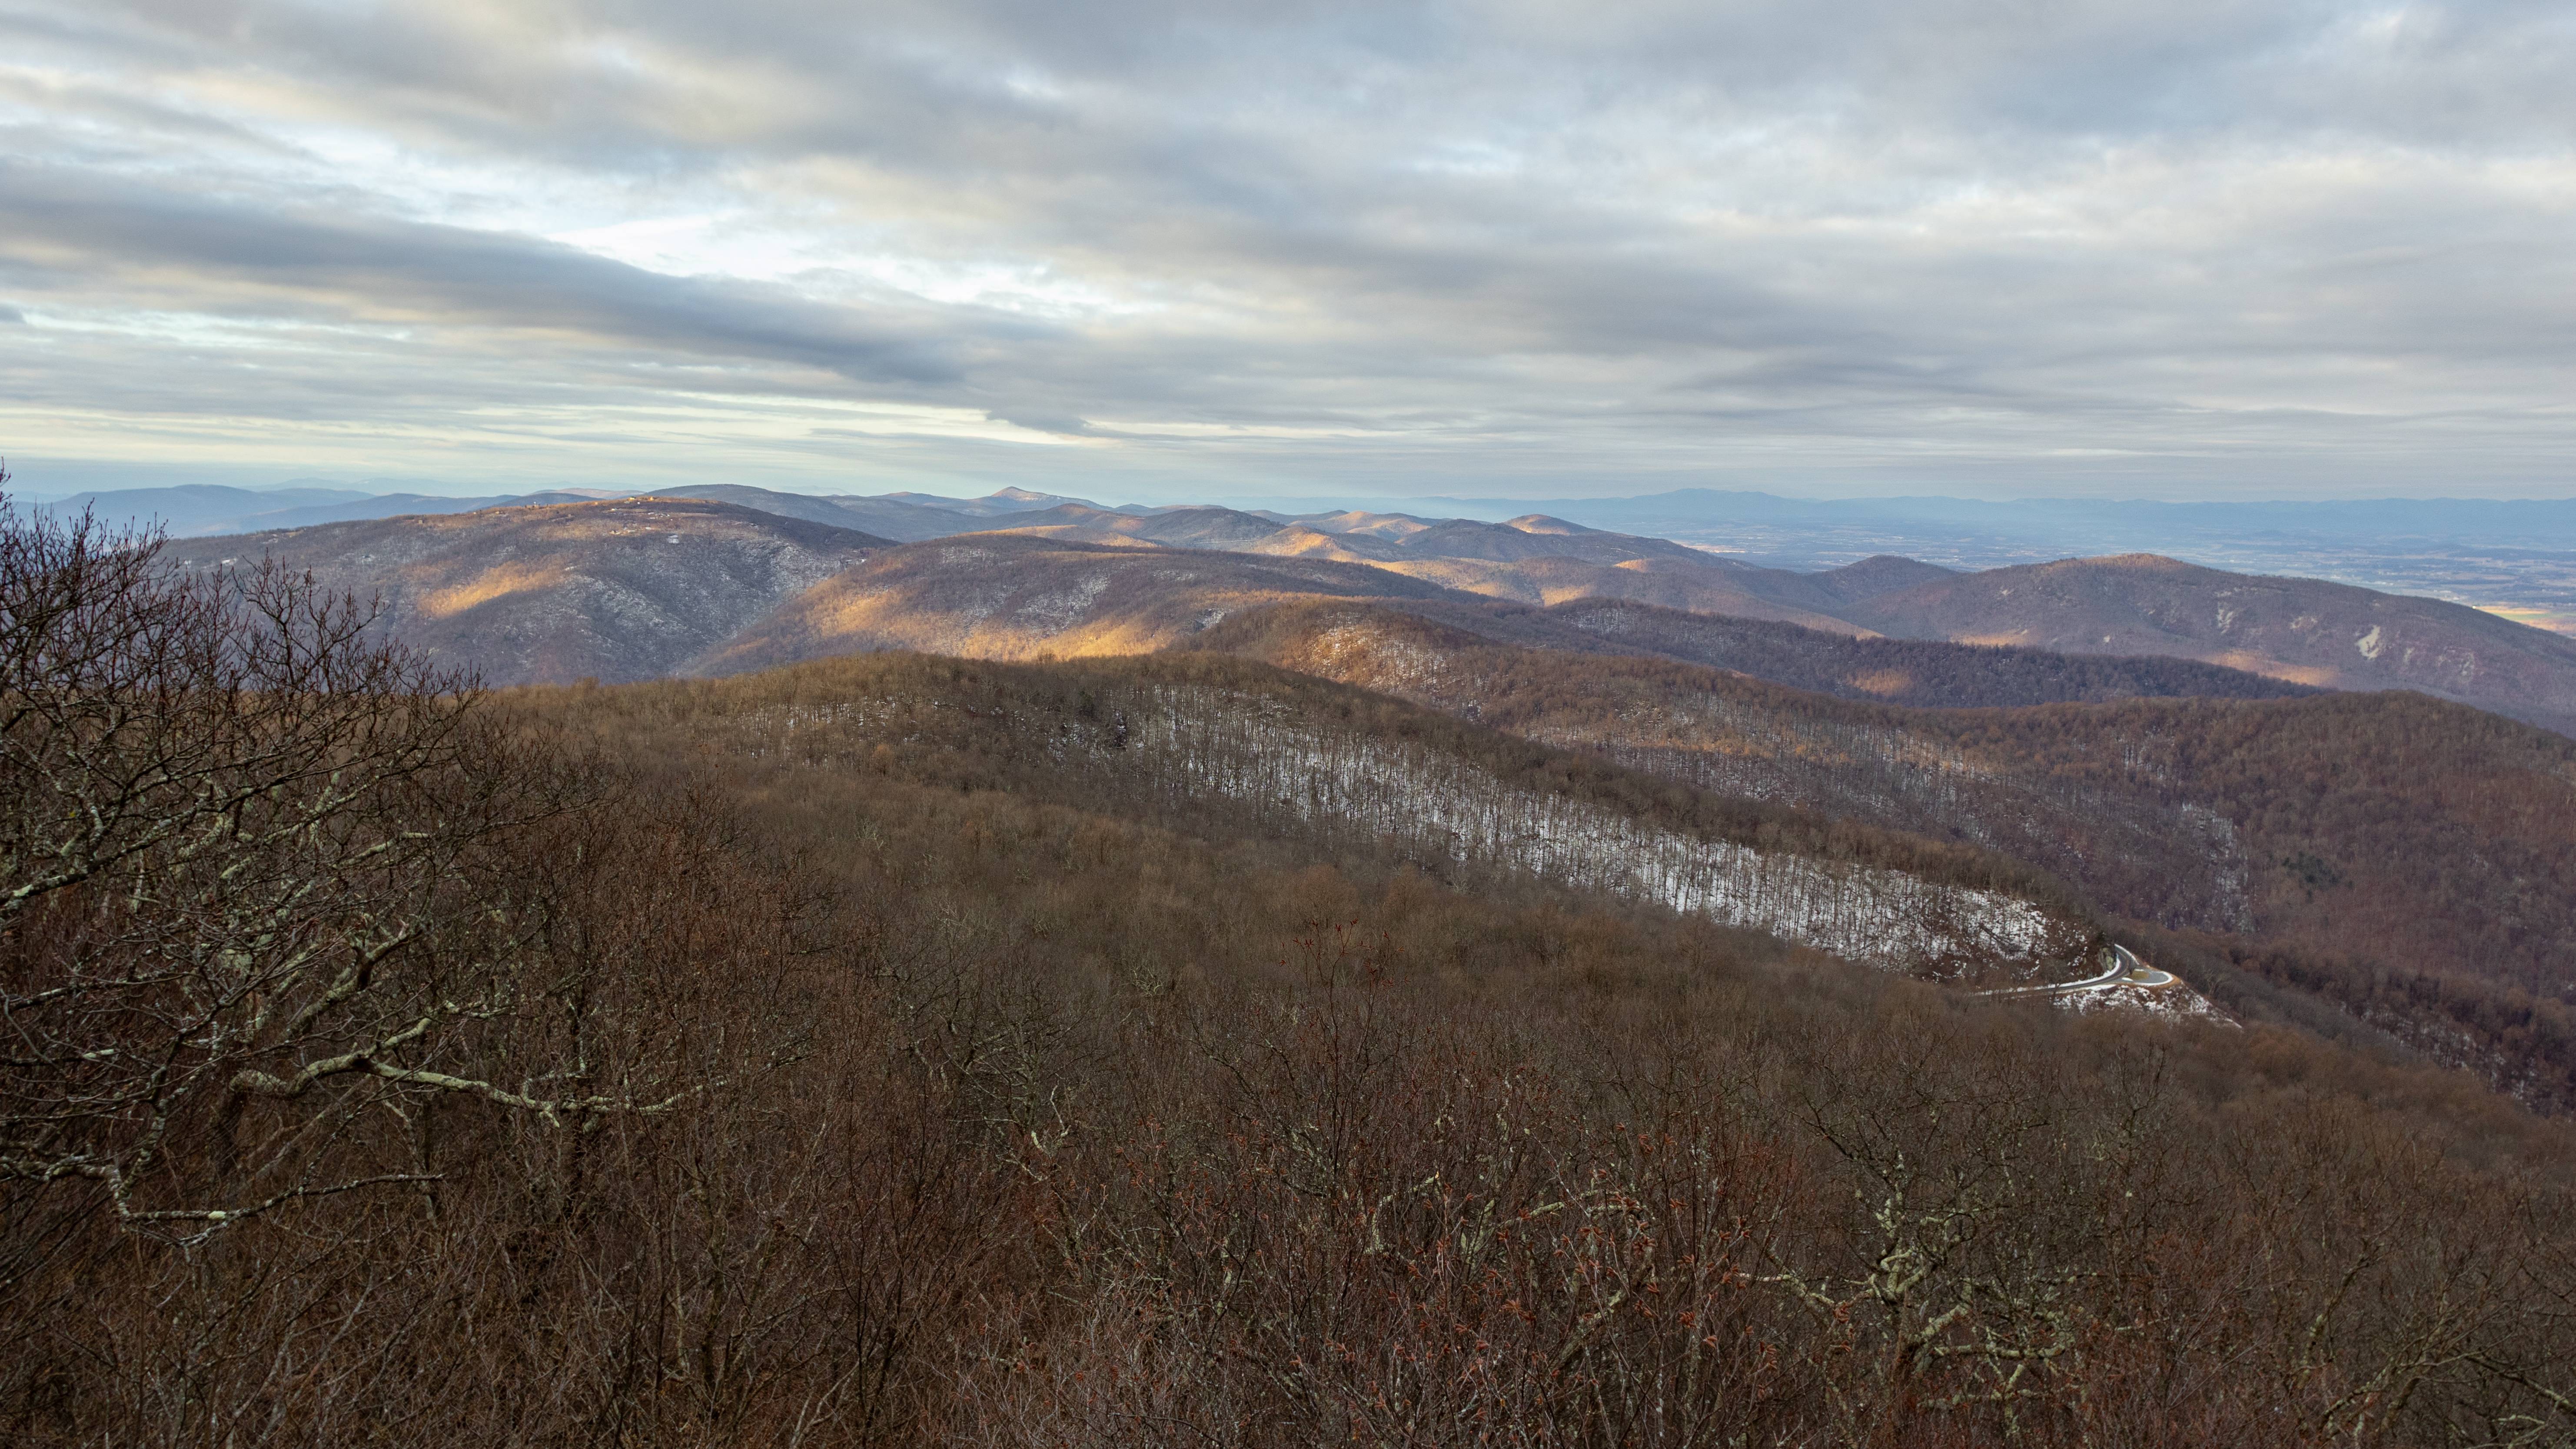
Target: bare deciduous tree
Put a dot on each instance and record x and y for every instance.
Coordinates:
(234, 832)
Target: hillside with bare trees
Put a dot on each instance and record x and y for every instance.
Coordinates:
(913, 1050)
(1008, 596)
(2303, 630)
(1924, 673)
(2409, 859)
(617, 590)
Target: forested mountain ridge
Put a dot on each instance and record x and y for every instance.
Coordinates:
(1530, 560)
(2148, 859)
(618, 590)
(887, 518)
(2296, 629)
(1014, 596)
(1199, 737)
(1166, 1051)
(2412, 860)
(1666, 583)
(1924, 673)
(1217, 528)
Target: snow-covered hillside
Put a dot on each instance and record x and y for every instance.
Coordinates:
(1849, 762)
(1259, 756)
(1253, 751)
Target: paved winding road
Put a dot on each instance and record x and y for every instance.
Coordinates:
(2125, 970)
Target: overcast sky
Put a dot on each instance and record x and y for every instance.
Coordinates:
(2177, 248)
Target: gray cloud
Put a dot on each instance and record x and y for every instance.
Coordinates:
(247, 258)
(2107, 245)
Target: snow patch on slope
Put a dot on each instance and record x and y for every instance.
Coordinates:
(1197, 743)
(1212, 745)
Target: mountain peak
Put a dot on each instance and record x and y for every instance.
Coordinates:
(1541, 523)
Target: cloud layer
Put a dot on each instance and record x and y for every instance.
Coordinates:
(2183, 248)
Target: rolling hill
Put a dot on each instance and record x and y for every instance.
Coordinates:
(1228, 748)
(627, 589)
(1533, 559)
(1925, 673)
(903, 522)
(2147, 858)
(1016, 596)
(2303, 630)
(2410, 860)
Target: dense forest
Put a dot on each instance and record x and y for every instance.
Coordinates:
(1746, 738)
(1225, 744)
(2410, 860)
(908, 1050)
(1929, 673)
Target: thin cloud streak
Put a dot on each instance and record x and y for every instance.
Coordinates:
(1535, 247)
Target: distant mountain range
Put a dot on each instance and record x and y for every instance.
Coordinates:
(199, 510)
(726, 577)
(2540, 521)
(196, 510)
(2053, 526)
(2513, 557)
(2295, 629)
(2516, 557)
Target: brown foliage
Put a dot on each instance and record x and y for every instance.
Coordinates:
(2409, 861)
(1009, 1113)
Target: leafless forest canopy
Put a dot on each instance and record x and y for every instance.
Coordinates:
(2411, 863)
(1190, 1050)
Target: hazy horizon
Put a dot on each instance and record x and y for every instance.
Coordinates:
(119, 481)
